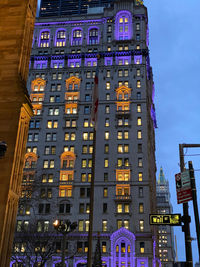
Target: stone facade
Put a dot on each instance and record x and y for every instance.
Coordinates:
(16, 30)
(60, 141)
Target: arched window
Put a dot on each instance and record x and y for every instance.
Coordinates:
(38, 85)
(60, 37)
(68, 161)
(77, 36)
(73, 83)
(93, 36)
(123, 25)
(44, 38)
(30, 160)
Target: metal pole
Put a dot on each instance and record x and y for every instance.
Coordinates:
(89, 254)
(63, 249)
(195, 205)
(188, 246)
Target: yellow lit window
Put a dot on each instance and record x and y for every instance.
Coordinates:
(119, 208)
(85, 136)
(105, 192)
(126, 224)
(80, 226)
(104, 247)
(126, 208)
(139, 121)
(139, 108)
(141, 225)
(141, 208)
(121, 20)
(138, 84)
(87, 226)
(106, 135)
(49, 124)
(139, 134)
(119, 135)
(108, 85)
(106, 163)
(104, 225)
(140, 176)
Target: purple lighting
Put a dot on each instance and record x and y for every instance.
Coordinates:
(93, 35)
(44, 38)
(74, 63)
(57, 64)
(123, 25)
(124, 60)
(138, 59)
(77, 36)
(108, 61)
(90, 62)
(40, 64)
(60, 37)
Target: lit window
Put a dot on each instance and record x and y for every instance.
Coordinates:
(80, 226)
(51, 164)
(45, 164)
(141, 225)
(105, 192)
(139, 134)
(139, 108)
(108, 74)
(104, 225)
(107, 109)
(85, 136)
(107, 124)
(108, 85)
(104, 250)
(141, 247)
(87, 226)
(119, 208)
(138, 72)
(139, 121)
(126, 224)
(126, 208)
(141, 208)
(119, 224)
(140, 163)
(106, 135)
(106, 163)
(138, 84)
(140, 176)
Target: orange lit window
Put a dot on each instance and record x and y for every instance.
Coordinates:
(30, 160)
(122, 175)
(65, 191)
(38, 85)
(66, 176)
(123, 190)
(71, 108)
(73, 83)
(67, 160)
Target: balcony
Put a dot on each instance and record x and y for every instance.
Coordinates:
(123, 198)
(120, 113)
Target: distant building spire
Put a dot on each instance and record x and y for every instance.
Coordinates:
(161, 179)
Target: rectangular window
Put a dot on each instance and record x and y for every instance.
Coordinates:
(106, 163)
(106, 135)
(80, 226)
(139, 134)
(141, 208)
(139, 110)
(108, 74)
(108, 86)
(107, 109)
(140, 176)
(138, 84)
(139, 121)
(140, 191)
(104, 225)
(105, 192)
(141, 225)
(140, 162)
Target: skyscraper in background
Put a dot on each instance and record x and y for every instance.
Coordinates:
(166, 233)
(70, 7)
(57, 168)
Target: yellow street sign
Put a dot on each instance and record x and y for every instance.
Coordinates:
(168, 219)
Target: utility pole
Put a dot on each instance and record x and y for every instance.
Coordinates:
(195, 205)
(186, 217)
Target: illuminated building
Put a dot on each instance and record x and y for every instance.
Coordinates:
(166, 234)
(60, 140)
(16, 32)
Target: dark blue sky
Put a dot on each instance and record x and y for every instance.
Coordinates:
(175, 58)
(174, 50)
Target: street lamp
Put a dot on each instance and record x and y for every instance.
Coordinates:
(64, 227)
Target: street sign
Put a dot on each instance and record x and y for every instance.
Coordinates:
(183, 187)
(165, 219)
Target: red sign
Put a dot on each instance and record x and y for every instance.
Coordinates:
(183, 187)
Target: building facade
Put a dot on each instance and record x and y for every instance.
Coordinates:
(57, 169)
(16, 32)
(166, 233)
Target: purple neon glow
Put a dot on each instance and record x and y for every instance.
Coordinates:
(40, 64)
(57, 64)
(127, 237)
(91, 38)
(124, 60)
(41, 41)
(108, 61)
(147, 36)
(77, 40)
(92, 21)
(138, 59)
(90, 62)
(123, 31)
(59, 39)
(142, 262)
(153, 116)
(74, 63)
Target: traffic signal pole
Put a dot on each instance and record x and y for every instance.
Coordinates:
(186, 217)
(195, 205)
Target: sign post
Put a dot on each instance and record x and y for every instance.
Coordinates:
(165, 219)
(183, 187)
